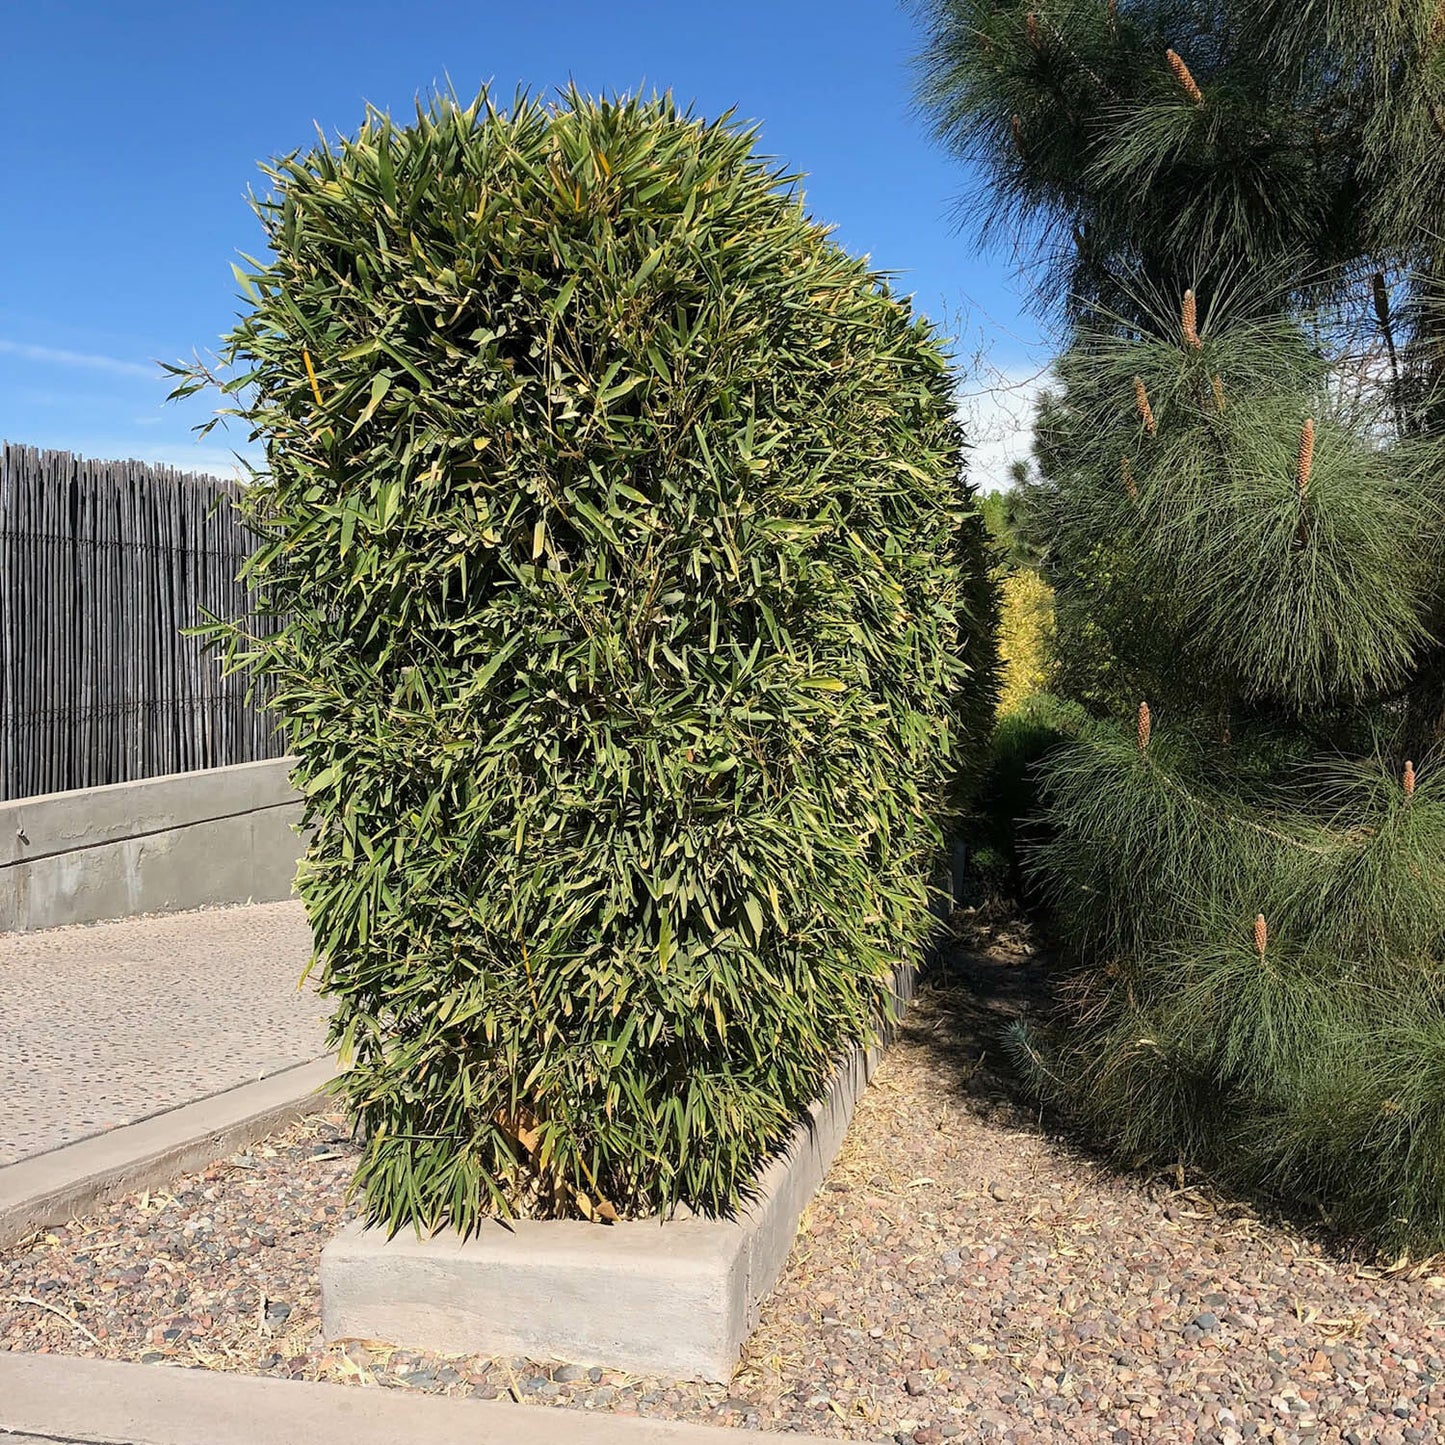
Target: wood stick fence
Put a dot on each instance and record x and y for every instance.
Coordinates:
(101, 566)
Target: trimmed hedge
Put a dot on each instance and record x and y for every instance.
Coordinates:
(631, 629)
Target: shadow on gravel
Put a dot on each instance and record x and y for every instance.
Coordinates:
(989, 976)
(993, 973)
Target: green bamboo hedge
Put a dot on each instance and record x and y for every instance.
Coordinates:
(632, 628)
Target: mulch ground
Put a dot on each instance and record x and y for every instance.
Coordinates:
(963, 1275)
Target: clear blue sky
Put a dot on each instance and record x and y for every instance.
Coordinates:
(134, 132)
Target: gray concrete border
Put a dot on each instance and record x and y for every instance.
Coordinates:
(189, 840)
(675, 1299)
(68, 1399)
(55, 1187)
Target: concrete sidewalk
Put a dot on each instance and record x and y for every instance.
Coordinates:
(110, 1023)
(81, 1400)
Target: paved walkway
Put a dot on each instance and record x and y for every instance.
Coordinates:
(109, 1023)
(53, 1398)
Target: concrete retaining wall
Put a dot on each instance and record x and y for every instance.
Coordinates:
(223, 835)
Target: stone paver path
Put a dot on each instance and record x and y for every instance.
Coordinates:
(109, 1023)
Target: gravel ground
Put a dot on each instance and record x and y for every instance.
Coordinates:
(107, 1023)
(961, 1276)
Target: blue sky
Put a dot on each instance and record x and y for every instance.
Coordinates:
(135, 130)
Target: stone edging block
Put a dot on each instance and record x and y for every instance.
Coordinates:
(156, 845)
(55, 1398)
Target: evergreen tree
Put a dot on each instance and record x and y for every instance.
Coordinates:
(1132, 137)
(1242, 498)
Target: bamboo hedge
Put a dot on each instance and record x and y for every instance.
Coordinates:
(637, 633)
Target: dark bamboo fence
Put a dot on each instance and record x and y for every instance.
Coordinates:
(101, 566)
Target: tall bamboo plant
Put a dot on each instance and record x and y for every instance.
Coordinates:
(630, 627)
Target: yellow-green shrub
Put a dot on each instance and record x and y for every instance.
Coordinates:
(1026, 616)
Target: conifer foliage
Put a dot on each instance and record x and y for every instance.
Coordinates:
(1242, 503)
(630, 625)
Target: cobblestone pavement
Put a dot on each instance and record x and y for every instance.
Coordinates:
(108, 1023)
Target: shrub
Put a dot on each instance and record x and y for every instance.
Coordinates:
(1006, 804)
(1026, 616)
(631, 623)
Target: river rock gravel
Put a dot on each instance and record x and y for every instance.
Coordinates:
(963, 1275)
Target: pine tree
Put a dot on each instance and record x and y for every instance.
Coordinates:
(1131, 138)
(1243, 504)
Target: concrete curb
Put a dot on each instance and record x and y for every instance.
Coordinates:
(72, 1399)
(675, 1299)
(54, 1187)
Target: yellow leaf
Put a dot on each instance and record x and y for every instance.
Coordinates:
(518, 1130)
(311, 372)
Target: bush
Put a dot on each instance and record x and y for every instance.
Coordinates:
(631, 623)
(1006, 805)
(1026, 619)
